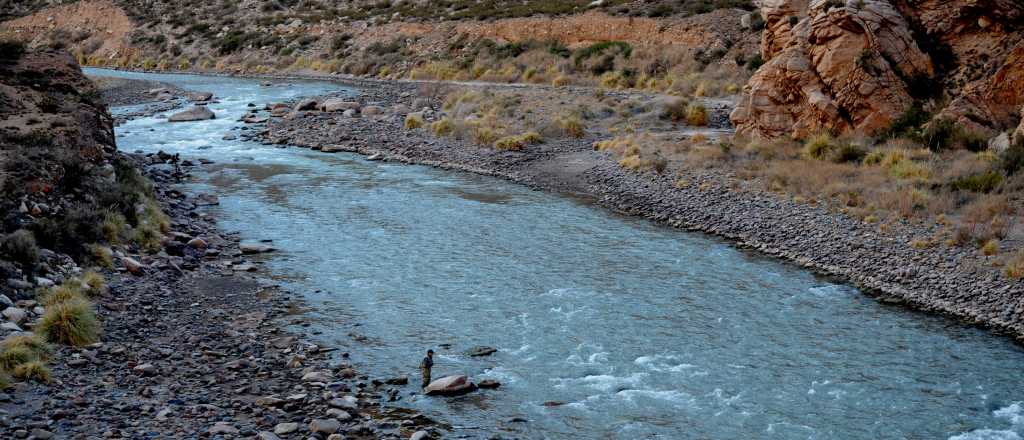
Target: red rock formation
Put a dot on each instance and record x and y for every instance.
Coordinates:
(843, 66)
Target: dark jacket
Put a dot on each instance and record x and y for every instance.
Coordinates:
(427, 363)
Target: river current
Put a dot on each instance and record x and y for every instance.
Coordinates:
(607, 327)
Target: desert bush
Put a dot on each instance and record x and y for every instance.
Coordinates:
(413, 121)
(1012, 160)
(35, 370)
(443, 127)
(572, 125)
(516, 143)
(72, 323)
(93, 283)
(1015, 266)
(819, 146)
(675, 109)
(696, 114)
(980, 183)
(70, 290)
(991, 247)
(20, 247)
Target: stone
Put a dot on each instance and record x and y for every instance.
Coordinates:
(132, 265)
(267, 435)
(419, 435)
(316, 376)
(481, 350)
(324, 426)
(17, 284)
(306, 104)
(223, 428)
(339, 414)
(489, 384)
(450, 386)
(347, 402)
(197, 243)
(196, 113)
(255, 248)
(14, 315)
(9, 326)
(229, 137)
(41, 434)
(286, 428)
(269, 401)
(145, 369)
(350, 113)
(338, 104)
(200, 96)
(400, 380)
(372, 110)
(376, 156)
(999, 144)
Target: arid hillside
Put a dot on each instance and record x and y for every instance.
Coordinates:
(648, 45)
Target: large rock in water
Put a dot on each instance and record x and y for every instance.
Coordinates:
(196, 113)
(450, 386)
(857, 65)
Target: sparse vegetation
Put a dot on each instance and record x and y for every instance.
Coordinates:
(516, 143)
(413, 121)
(70, 322)
(20, 247)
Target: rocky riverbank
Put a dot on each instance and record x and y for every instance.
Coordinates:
(949, 280)
(193, 338)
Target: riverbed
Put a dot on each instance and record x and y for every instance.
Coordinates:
(607, 326)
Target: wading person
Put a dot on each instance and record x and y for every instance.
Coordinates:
(425, 366)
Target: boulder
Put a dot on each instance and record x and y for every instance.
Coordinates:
(196, 113)
(307, 104)
(200, 96)
(481, 350)
(267, 435)
(350, 113)
(489, 384)
(223, 428)
(145, 370)
(198, 243)
(372, 110)
(338, 104)
(15, 315)
(316, 376)
(254, 119)
(324, 426)
(255, 248)
(419, 435)
(450, 386)
(286, 428)
(999, 144)
(132, 265)
(339, 414)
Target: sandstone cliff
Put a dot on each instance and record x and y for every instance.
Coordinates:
(859, 65)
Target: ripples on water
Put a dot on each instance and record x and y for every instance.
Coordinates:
(609, 327)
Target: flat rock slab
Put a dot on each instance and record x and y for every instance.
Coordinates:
(255, 248)
(482, 350)
(450, 386)
(196, 113)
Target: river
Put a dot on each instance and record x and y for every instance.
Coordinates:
(607, 326)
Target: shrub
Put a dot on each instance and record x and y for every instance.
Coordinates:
(93, 283)
(572, 125)
(516, 143)
(113, 226)
(1015, 266)
(584, 53)
(14, 356)
(979, 183)
(443, 126)
(68, 291)
(72, 323)
(413, 121)
(20, 247)
(675, 109)
(560, 81)
(35, 370)
(991, 247)
(847, 152)
(20, 349)
(874, 158)
(819, 146)
(696, 115)
(1013, 158)
(103, 256)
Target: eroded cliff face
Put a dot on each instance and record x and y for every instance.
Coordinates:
(859, 65)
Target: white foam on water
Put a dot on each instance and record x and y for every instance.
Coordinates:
(595, 359)
(987, 434)
(1014, 413)
(663, 363)
(602, 382)
(501, 374)
(830, 290)
(677, 398)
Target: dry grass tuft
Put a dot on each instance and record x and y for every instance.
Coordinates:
(93, 283)
(35, 370)
(72, 322)
(1015, 266)
(413, 121)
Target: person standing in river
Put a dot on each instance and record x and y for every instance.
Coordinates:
(425, 366)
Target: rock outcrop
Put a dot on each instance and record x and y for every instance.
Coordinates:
(450, 386)
(858, 65)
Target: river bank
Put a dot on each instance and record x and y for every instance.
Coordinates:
(949, 280)
(196, 342)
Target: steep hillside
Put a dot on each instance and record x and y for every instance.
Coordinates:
(617, 43)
